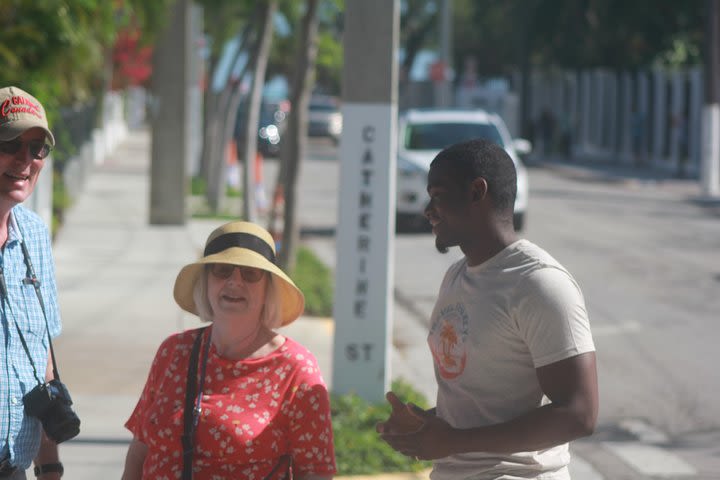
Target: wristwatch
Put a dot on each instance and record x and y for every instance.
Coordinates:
(49, 468)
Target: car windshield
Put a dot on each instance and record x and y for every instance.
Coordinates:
(436, 136)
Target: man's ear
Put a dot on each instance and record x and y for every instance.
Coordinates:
(478, 189)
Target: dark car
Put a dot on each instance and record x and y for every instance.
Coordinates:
(324, 117)
(271, 126)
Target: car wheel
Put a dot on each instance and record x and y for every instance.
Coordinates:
(519, 221)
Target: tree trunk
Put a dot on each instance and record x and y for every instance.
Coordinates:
(293, 151)
(216, 137)
(261, 53)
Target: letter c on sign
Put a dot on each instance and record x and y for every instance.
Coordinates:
(368, 134)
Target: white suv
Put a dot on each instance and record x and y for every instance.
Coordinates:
(423, 133)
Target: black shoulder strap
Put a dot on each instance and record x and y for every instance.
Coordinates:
(190, 393)
(287, 458)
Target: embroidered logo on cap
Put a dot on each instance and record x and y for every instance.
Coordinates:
(15, 105)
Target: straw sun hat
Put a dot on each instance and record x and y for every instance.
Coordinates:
(243, 244)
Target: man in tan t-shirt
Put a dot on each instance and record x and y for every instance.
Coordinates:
(510, 338)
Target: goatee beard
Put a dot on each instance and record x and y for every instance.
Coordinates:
(440, 247)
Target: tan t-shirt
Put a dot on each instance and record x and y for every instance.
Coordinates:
(494, 324)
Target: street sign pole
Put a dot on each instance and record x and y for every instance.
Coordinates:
(710, 171)
(366, 226)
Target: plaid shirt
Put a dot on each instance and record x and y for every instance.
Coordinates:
(19, 434)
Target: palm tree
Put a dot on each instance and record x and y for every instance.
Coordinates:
(449, 339)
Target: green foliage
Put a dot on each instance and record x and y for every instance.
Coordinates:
(227, 216)
(58, 50)
(233, 192)
(54, 49)
(223, 20)
(329, 44)
(616, 34)
(329, 62)
(315, 281)
(683, 51)
(61, 201)
(359, 450)
(198, 186)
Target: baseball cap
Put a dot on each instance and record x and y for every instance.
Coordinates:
(19, 112)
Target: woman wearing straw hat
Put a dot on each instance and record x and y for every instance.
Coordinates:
(236, 399)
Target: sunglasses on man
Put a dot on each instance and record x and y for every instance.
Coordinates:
(223, 271)
(37, 148)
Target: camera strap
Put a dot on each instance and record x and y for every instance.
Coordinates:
(193, 396)
(5, 298)
(32, 278)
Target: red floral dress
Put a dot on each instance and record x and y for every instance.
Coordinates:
(253, 412)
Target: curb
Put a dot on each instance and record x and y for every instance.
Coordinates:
(423, 475)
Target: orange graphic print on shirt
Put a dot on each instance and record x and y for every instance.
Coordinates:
(447, 340)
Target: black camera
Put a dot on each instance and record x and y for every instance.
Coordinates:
(50, 403)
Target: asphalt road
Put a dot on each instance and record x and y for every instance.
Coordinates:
(647, 255)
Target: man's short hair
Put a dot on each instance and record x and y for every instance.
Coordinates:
(466, 161)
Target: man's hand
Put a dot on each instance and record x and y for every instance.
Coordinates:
(401, 420)
(414, 432)
(434, 439)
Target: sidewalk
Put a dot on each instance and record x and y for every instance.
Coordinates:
(115, 275)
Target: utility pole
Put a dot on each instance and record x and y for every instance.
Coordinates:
(366, 225)
(710, 172)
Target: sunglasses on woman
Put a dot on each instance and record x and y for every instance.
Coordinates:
(37, 148)
(223, 271)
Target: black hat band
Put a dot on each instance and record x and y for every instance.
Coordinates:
(242, 240)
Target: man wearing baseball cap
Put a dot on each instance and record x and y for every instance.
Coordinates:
(25, 262)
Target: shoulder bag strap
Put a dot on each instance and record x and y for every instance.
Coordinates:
(288, 473)
(188, 414)
(32, 278)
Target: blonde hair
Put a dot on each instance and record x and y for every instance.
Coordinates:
(270, 316)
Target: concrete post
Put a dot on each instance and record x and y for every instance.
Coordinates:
(610, 121)
(710, 171)
(40, 201)
(676, 116)
(598, 109)
(695, 118)
(572, 103)
(659, 116)
(557, 90)
(171, 119)
(585, 107)
(366, 226)
(643, 107)
(625, 124)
